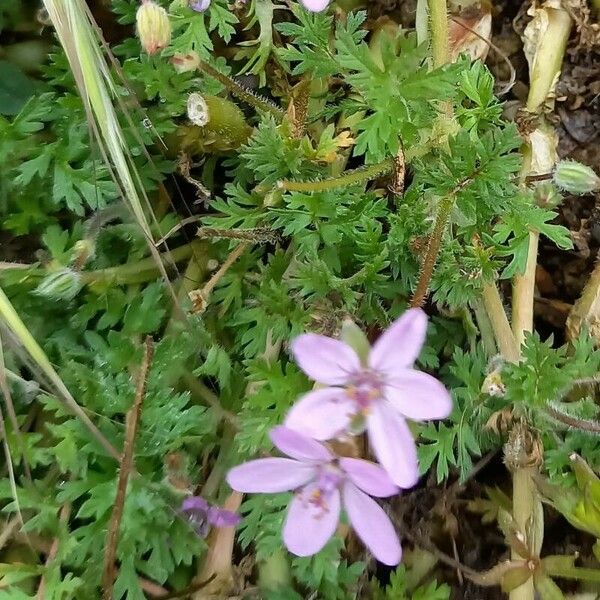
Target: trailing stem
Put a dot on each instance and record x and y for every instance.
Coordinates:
(239, 91)
(126, 467)
(433, 249)
(349, 178)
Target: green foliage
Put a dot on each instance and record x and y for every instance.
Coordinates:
(398, 589)
(91, 293)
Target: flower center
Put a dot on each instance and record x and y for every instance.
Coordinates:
(318, 494)
(365, 388)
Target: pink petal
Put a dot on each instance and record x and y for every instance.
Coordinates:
(324, 359)
(369, 477)
(321, 414)
(418, 396)
(393, 444)
(299, 446)
(308, 527)
(315, 5)
(400, 345)
(270, 475)
(372, 525)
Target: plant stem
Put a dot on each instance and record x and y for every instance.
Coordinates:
(239, 91)
(126, 466)
(524, 291)
(523, 509)
(581, 573)
(438, 19)
(141, 270)
(349, 178)
(433, 248)
(502, 331)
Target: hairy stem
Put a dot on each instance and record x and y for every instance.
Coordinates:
(349, 178)
(239, 91)
(438, 22)
(126, 466)
(433, 248)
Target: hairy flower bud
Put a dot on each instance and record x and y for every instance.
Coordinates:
(63, 284)
(575, 178)
(153, 26)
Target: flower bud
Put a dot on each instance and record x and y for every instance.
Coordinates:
(183, 63)
(199, 5)
(153, 26)
(63, 284)
(575, 178)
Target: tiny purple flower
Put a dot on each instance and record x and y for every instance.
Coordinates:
(201, 515)
(322, 483)
(199, 5)
(378, 396)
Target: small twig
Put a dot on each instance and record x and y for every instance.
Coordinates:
(176, 228)
(574, 422)
(513, 73)
(200, 297)
(133, 416)
(481, 464)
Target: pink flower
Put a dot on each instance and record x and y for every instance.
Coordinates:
(315, 5)
(379, 395)
(323, 483)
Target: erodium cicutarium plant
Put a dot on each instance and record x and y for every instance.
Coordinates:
(375, 393)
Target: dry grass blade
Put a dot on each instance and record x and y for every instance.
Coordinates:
(16, 325)
(10, 408)
(110, 553)
(77, 33)
(9, 465)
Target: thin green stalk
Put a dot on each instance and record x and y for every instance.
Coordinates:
(347, 179)
(433, 248)
(524, 291)
(486, 331)
(580, 573)
(523, 508)
(438, 22)
(145, 268)
(239, 91)
(497, 315)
